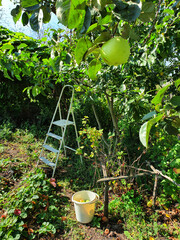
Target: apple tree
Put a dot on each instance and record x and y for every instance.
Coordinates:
(150, 30)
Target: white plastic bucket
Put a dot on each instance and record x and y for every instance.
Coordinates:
(85, 210)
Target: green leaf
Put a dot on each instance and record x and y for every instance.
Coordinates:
(105, 20)
(7, 46)
(171, 130)
(175, 100)
(0, 2)
(100, 4)
(175, 163)
(68, 58)
(81, 48)
(87, 21)
(22, 45)
(36, 91)
(25, 19)
(46, 14)
(129, 11)
(92, 27)
(32, 8)
(176, 122)
(55, 63)
(23, 215)
(177, 83)
(159, 96)
(104, 37)
(94, 67)
(145, 129)
(16, 13)
(28, 3)
(34, 23)
(149, 115)
(147, 12)
(71, 13)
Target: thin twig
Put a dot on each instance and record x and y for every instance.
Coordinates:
(140, 169)
(154, 190)
(139, 157)
(122, 177)
(99, 124)
(164, 176)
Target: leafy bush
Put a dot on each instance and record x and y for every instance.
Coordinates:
(33, 203)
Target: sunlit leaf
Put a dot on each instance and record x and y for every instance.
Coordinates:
(71, 13)
(150, 203)
(16, 13)
(92, 27)
(145, 130)
(29, 3)
(81, 48)
(176, 170)
(94, 67)
(22, 45)
(36, 91)
(32, 8)
(7, 46)
(177, 83)
(165, 207)
(159, 96)
(151, 238)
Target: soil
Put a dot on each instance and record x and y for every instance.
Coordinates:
(108, 229)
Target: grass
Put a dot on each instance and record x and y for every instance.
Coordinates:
(32, 208)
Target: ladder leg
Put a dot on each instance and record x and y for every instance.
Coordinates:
(53, 172)
(76, 134)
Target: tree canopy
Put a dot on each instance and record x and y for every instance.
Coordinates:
(152, 30)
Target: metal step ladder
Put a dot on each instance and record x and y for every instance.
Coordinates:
(62, 124)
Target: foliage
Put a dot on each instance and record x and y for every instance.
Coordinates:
(32, 201)
(34, 206)
(89, 137)
(138, 224)
(146, 25)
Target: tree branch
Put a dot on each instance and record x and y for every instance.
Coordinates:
(153, 25)
(122, 177)
(99, 124)
(156, 171)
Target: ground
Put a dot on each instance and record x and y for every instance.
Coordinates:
(17, 160)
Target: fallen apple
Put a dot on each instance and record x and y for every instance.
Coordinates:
(82, 200)
(115, 51)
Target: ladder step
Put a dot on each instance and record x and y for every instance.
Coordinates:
(54, 136)
(63, 123)
(51, 149)
(70, 148)
(47, 162)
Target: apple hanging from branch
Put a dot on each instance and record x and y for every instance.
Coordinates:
(115, 51)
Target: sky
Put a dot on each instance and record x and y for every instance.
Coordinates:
(6, 21)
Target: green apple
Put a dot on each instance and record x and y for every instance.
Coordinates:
(115, 51)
